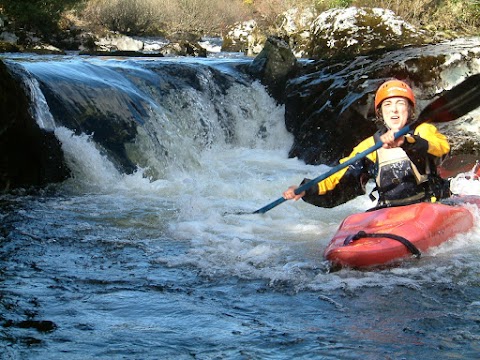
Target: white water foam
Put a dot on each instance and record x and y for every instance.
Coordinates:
(284, 245)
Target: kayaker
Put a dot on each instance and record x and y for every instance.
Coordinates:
(404, 169)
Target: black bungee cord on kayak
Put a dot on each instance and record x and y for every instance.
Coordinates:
(362, 235)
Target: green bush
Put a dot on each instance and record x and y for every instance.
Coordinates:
(35, 15)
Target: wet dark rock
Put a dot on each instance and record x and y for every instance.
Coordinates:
(93, 103)
(6, 47)
(109, 116)
(273, 66)
(184, 48)
(29, 156)
(329, 105)
(39, 325)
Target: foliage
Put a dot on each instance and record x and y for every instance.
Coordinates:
(155, 16)
(468, 12)
(203, 16)
(438, 14)
(328, 4)
(127, 17)
(211, 17)
(39, 15)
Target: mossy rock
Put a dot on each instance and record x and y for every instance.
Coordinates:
(6, 47)
(360, 31)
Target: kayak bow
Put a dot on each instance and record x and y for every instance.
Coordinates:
(388, 235)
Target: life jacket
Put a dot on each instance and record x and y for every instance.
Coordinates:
(399, 182)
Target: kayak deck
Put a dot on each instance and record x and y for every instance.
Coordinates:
(422, 225)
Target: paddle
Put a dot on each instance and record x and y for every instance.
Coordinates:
(456, 164)
(451, 105)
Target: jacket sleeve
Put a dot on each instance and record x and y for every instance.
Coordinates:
(426, 142)
(346, 184)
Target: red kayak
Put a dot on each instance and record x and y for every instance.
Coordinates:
(387, 235)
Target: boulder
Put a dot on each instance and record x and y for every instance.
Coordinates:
(8, 47)
(29, 155)
(356, 31)
(118, 42)
(9, 37)
(273, 66)
(184, 48)
(294, 25)
(120, 45)
(244, 37)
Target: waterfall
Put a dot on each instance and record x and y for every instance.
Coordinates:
(118, 117)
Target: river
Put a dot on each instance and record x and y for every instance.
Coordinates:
(115, 265)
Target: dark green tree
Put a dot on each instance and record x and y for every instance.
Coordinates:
(35, 15)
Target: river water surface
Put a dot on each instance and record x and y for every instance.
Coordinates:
(115, 266)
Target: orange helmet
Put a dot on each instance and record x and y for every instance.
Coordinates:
(393, 88)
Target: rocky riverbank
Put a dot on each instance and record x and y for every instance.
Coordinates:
(336, 32)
